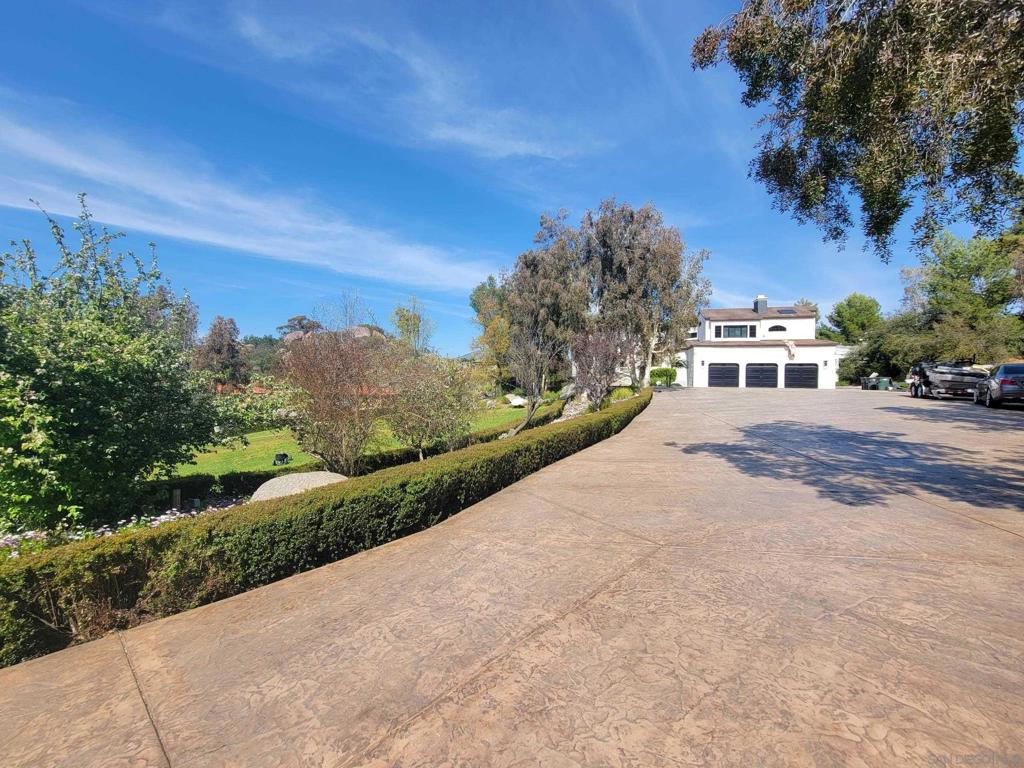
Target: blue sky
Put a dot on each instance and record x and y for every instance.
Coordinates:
(281, 154)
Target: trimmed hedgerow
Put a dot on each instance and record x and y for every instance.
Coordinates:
(80, 591)
(158, 492)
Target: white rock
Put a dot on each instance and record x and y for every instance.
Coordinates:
(516, 401)
(295, 482)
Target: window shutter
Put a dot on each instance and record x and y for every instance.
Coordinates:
(753, 331)
(718, 331)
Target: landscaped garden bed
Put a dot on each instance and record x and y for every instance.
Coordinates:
(203, 493)
(77, 592)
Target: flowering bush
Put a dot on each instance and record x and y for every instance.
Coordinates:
(96, 391)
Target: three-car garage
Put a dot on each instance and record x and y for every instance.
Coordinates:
(764, 375)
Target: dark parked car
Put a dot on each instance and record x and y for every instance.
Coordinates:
(1004, 385)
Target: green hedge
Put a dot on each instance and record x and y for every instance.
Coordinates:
(80, 591)
(157, 493)
(663, 376)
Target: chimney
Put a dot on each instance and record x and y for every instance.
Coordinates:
(761, 304)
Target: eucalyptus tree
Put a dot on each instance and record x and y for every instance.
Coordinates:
(895, 101)
(546, 300)
(642, 282)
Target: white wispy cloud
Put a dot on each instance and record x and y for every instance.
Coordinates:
(388, 79)
(180, 195)
(665, 65)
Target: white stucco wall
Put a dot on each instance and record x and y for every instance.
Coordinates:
(699, 358)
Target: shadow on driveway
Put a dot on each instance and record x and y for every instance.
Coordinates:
(863, 468)
(1008, 418)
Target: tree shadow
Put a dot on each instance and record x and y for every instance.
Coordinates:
(1008, 418)
(864, 468)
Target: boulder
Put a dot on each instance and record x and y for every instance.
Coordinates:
(516, 401)
(296, 482)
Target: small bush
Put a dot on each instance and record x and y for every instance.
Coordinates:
(80, 591)
(662, 377)
(621, 393)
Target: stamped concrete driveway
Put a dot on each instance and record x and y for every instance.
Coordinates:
(741, 578)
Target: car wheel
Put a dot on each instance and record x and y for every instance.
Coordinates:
(989, 402)
(974, 397)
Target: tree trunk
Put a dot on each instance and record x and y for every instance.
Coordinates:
(531, 406)
(649, 357)
(531, 409)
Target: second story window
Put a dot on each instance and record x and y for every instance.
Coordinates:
(781, 328)
(735, 331)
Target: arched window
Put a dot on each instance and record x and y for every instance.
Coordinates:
(777, 328)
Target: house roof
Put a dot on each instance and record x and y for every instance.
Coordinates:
(747, 313)
(762, 343)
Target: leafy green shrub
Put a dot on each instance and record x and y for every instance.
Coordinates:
(96, 389)
(662, 376)
(80, 591)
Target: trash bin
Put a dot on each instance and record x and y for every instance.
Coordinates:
(867, 382)
(884, 382)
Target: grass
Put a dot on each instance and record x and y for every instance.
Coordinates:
(259, 454)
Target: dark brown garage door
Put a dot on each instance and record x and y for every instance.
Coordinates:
(762, 375)
(801, 375)
(724, 375)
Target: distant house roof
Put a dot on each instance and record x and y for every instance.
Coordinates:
(762, 343)
(747, 313)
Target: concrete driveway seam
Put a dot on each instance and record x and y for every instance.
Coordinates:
(142, 698)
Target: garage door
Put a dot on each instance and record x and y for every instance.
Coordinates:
(762, 375)
(802, 375)
(724, 375)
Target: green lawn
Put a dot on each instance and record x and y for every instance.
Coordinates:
(259, 454)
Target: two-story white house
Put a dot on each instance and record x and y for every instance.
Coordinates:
(760, 346)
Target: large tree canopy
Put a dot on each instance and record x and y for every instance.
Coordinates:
(959, 304)
(854, 317)
(492, 346)
(222, 354)
(894, 101)
(95, 388)
(643, 282)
